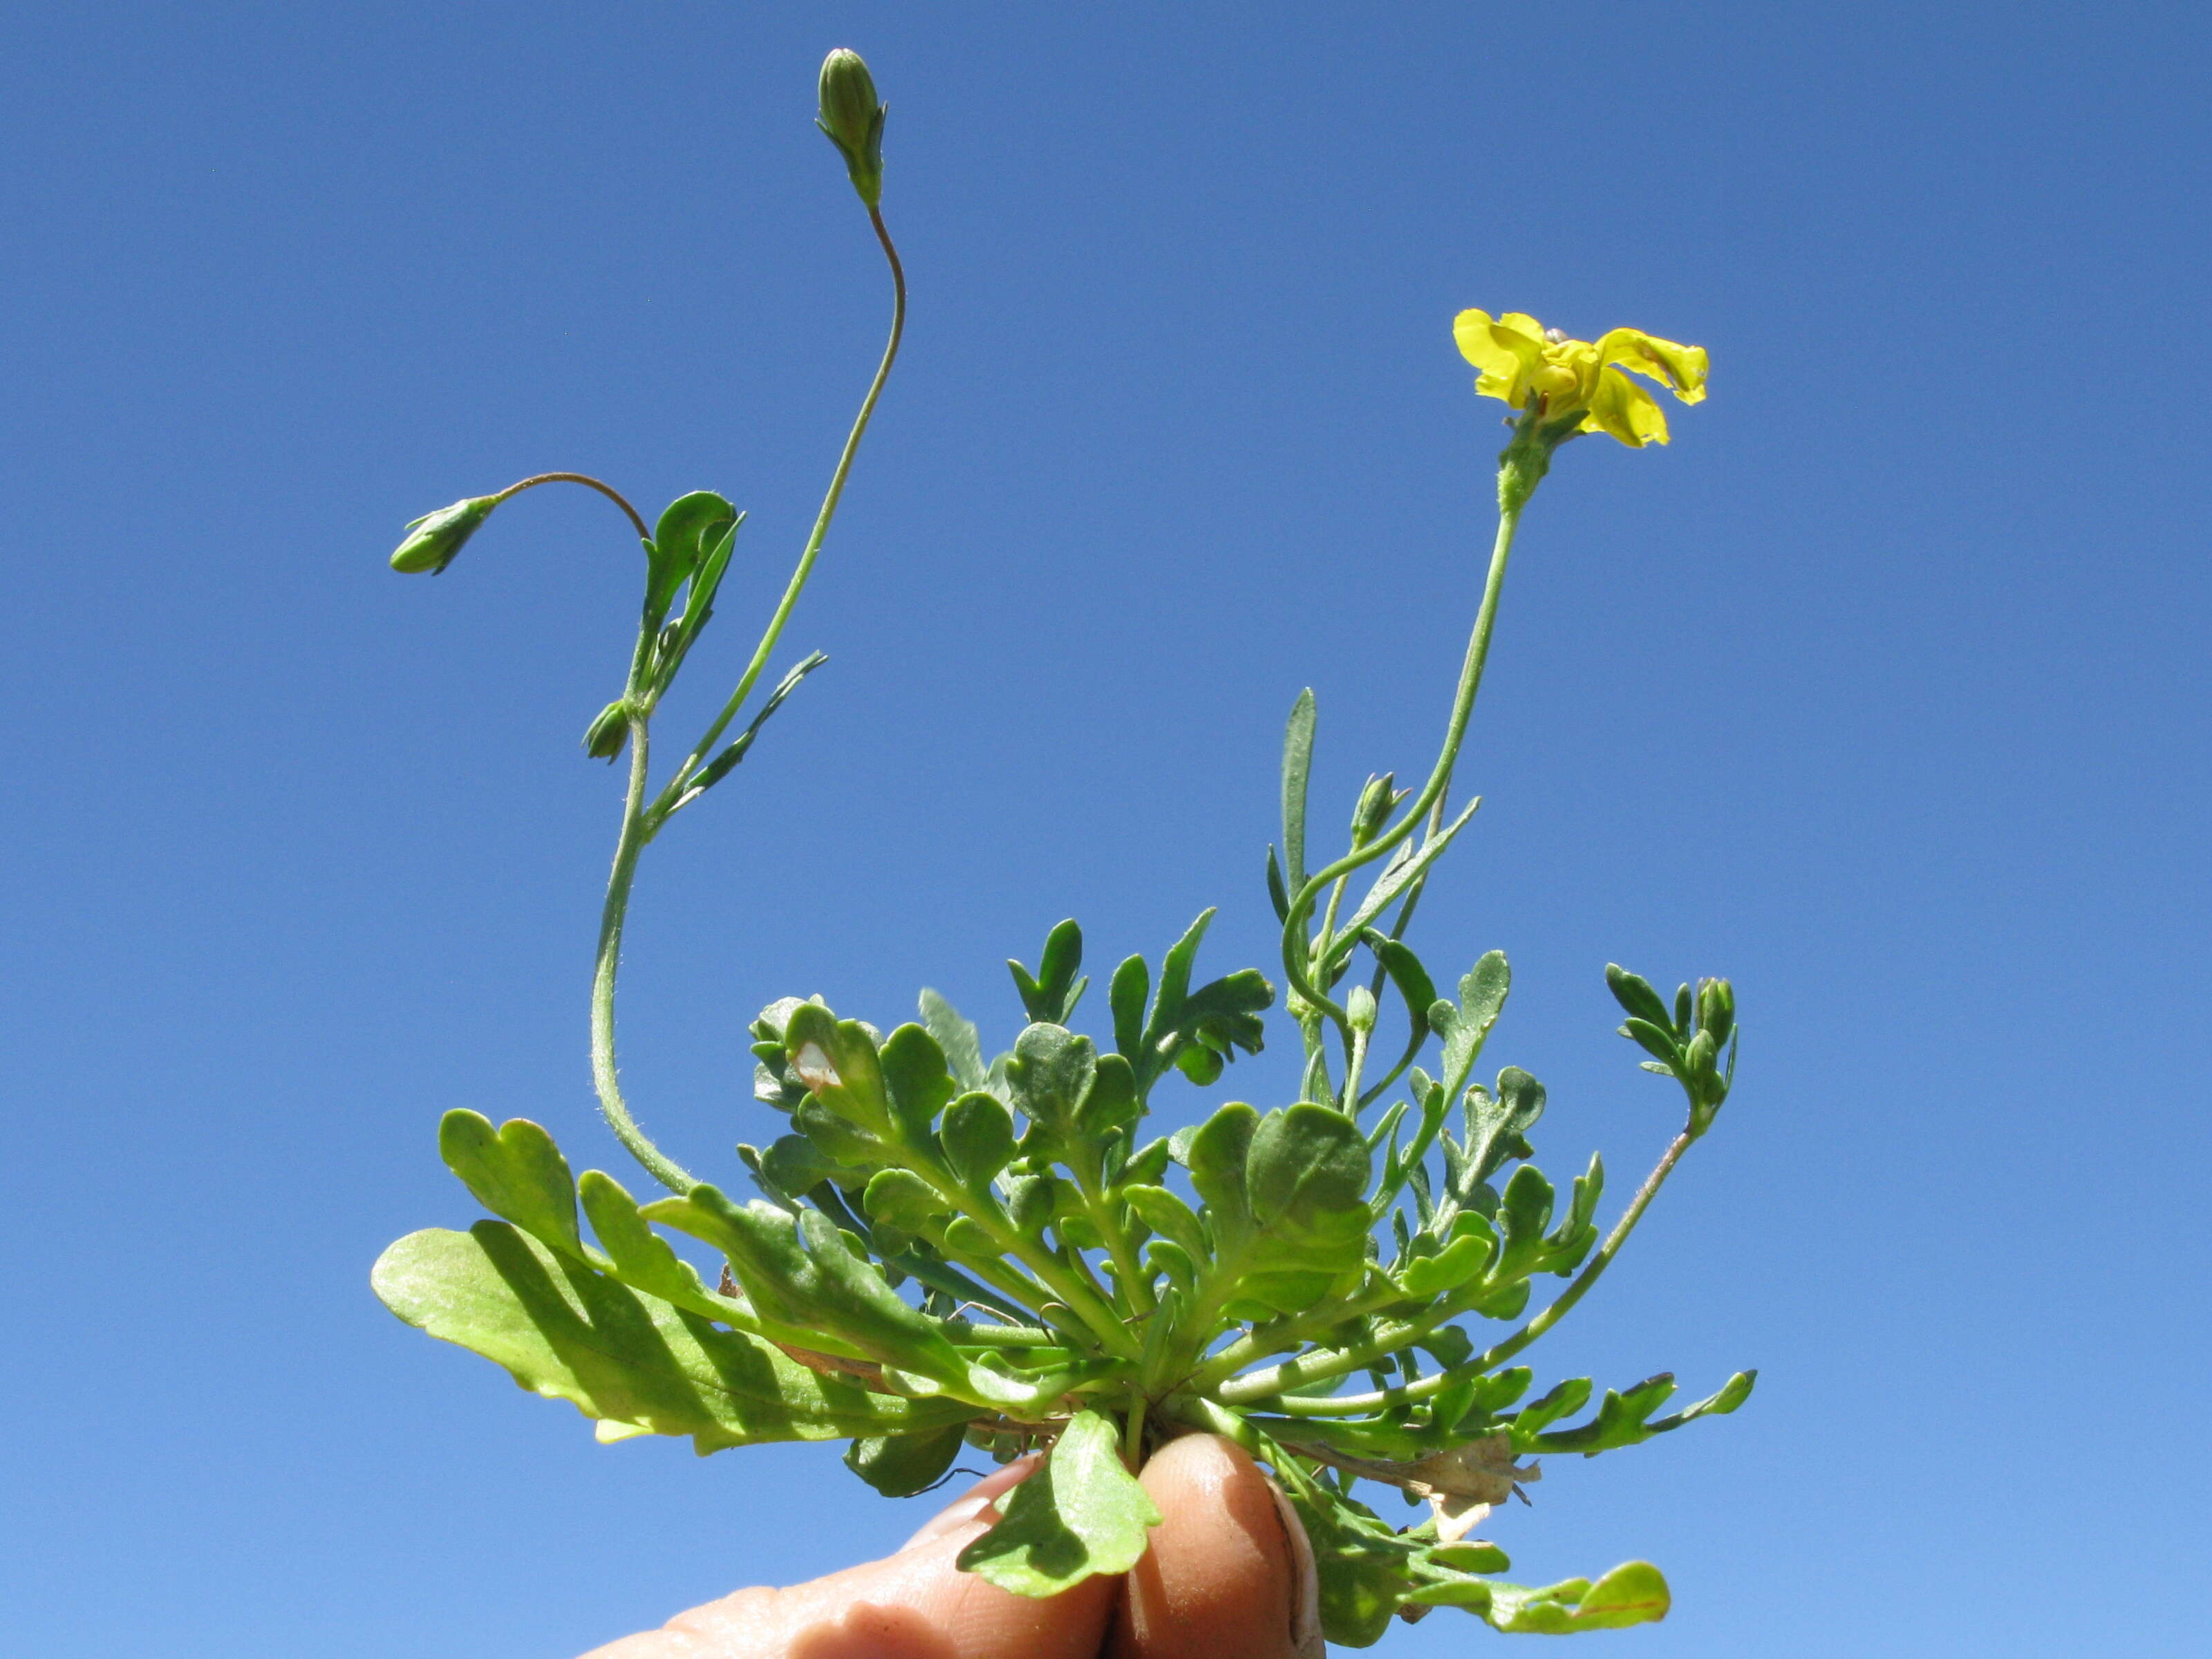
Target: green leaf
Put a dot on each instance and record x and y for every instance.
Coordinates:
(1081, 1513)
(799, 1272)
(1307, 1175)
(903, 1465)
(835, 1059)
(642, 1260)
(1168, 1216)
(1407, 973)
(687, 526)
(795, 1165)
(903, 1199)
(978, 1138)
(1498, 1125)
(741, 745)
(1359, 1564)
(920, 1083)
(1730, 1395)
(1482, 993)
(956, 1037)
(1216, 1157)
(1297, 768)
(1279, 896)
(1131, 988)
(1635, 995)
(1633, 1593)
(515, 1171)
(1563, 1399)
(627, 1359)
(1051, 995)
(1655, 1040)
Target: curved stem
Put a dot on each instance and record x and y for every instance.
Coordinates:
(590, 483)
(1470, 682)
(662, 1168)
(804, 568)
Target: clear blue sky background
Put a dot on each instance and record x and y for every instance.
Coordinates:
(1882, 690)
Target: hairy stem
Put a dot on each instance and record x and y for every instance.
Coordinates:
(589, 482)
(1295, 958)
(635, 834)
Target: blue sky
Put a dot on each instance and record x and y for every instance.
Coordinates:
(1882, 691)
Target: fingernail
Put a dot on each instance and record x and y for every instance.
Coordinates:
(973, 1502)
(1306, 1640)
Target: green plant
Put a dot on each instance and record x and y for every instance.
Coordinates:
(948, 1249)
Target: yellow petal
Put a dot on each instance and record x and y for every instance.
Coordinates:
(1521, 323)
(1626, 410)
(1505, 356)
(1681, 368)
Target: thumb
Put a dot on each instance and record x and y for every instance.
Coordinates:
(1229, 1574)
(913, 1605)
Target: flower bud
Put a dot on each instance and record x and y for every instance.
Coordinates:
(1717, 1008)
(1376, 802)
(1359, 1010)
(435, 537)
(607, 735)
(853, 117)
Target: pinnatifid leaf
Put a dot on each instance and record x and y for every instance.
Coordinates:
(567, 1332)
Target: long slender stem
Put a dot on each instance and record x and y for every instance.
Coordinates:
(638, 821)
(1470, 682)
(662, 1168)
(589, 481)
(804, 568)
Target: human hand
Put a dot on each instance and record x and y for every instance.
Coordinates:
(1229, 1576)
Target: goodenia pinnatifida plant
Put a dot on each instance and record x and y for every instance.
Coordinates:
(948, 1249)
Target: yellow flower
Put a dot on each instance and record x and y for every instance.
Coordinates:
(1525, 363)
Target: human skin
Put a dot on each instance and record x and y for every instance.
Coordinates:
(1229, 1576)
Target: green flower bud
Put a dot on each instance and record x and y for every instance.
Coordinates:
(435, 537)
(853, 117)
(1360, 1009)
(607, 735)
(1377, 801)
(1717, 1008)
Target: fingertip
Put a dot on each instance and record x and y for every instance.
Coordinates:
(973, 1502)
(1229, 1574)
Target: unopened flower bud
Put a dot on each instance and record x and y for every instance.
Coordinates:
(434, 538)
(1717, 1008)
(853, 117)
(607, 735)
(1376, 801)
(1359, 1010)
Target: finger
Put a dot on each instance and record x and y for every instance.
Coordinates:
(971, 1503)
(1229, 1574)
(913, 1605)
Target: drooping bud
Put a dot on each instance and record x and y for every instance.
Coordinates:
(435, 537)
(853, 117)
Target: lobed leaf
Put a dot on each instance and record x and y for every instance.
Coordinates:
(632, 1361)
(1081, 1513)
